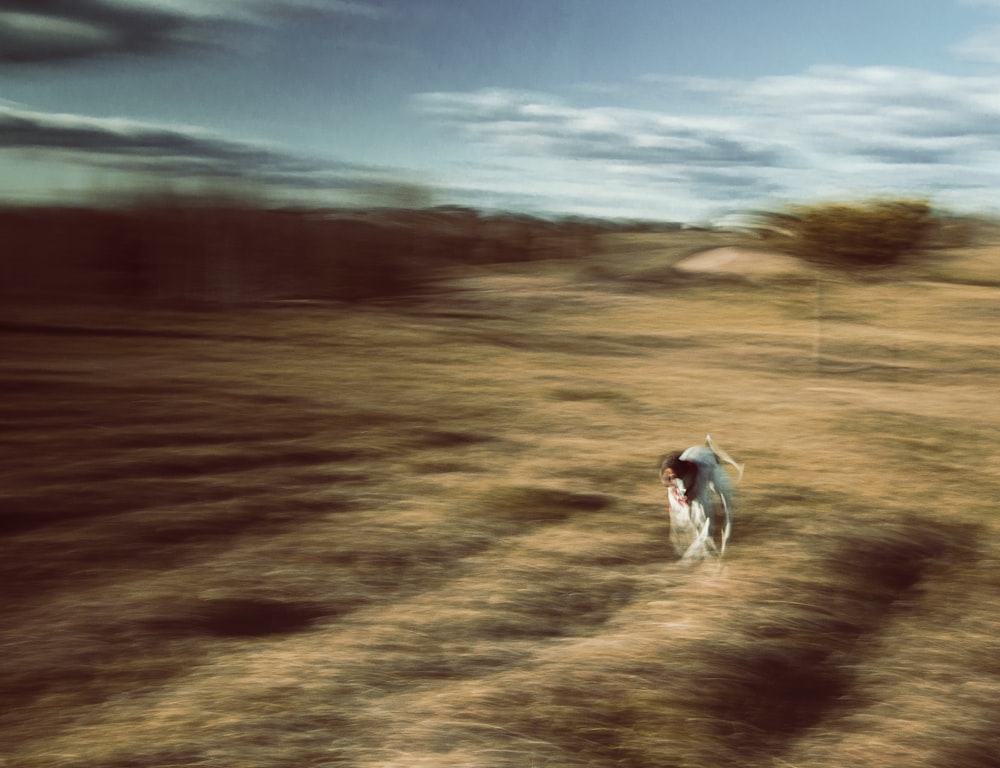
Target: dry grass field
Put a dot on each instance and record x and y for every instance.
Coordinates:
(430, 533)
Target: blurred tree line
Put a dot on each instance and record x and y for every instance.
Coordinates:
(172, 251)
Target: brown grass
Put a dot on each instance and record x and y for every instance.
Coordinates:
(432, 535)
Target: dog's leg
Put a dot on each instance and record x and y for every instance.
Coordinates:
(727, 528)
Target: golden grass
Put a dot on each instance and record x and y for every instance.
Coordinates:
(432, 535)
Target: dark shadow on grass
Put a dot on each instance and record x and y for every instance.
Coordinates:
(539, 506)
(446, 438)
(241, 617)
(795, 668)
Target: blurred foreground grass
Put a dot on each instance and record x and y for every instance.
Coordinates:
(431, 534)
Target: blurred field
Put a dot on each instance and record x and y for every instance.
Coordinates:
(430, 533)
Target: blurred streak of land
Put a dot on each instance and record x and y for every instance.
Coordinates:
(282, 489)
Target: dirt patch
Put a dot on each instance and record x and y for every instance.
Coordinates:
(743, 261)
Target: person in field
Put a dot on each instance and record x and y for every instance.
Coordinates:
(697, 485)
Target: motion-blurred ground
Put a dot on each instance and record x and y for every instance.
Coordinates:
(430, 533)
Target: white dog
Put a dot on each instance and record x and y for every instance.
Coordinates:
(696, 483)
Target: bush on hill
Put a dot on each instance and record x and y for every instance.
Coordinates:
(870, 234)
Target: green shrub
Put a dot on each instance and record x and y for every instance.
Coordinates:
(874, 233)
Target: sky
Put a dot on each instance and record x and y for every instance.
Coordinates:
(674, 110)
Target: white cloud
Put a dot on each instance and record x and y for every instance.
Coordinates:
(647, 162)
(983, 46)
(538, 124)
(826, 132)
(894, 115)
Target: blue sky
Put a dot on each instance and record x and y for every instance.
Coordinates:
(668, 109)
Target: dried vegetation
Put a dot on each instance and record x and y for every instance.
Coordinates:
(430, 533)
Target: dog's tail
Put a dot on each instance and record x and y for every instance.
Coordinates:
(724, 456)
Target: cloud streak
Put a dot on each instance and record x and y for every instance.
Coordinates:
(795, 136)
(59, 31)
(171, 150)
(886, 114)
(535, 123)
